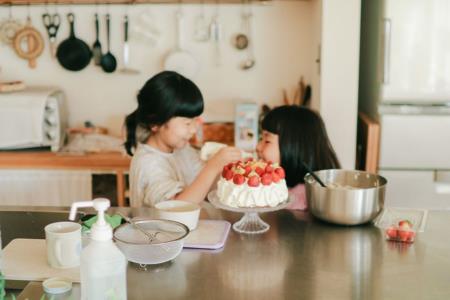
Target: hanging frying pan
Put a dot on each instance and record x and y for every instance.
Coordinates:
(73, 54)
(180, 60)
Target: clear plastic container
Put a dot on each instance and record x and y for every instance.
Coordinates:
(392, 216)
(400, 234)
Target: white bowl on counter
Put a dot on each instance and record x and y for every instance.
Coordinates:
(181, 211)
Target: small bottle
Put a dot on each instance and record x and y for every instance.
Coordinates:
(103, 267)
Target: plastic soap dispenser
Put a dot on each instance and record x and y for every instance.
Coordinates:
(103, 267)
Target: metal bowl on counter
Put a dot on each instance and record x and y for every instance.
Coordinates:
(350, 197)
(162, 241)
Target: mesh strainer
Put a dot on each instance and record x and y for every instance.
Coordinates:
(136, 246)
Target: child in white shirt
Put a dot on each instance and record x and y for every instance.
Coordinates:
(164, 166)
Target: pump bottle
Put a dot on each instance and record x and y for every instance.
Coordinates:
(103, 266)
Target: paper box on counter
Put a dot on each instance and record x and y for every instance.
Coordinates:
(246, 126)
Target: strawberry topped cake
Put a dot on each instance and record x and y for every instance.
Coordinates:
(252, 184)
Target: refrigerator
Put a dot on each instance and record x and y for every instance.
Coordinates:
(405, 85)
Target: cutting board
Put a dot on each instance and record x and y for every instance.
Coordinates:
(26, 259)
(209, 234)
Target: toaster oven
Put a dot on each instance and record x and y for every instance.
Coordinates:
(33, 118)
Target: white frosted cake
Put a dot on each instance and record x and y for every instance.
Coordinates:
(252, 184)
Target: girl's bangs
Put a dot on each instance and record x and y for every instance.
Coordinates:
(271, 122)
(189, 107)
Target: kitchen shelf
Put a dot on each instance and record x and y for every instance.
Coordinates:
(99, 2)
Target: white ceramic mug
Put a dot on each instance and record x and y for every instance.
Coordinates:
(63, 244)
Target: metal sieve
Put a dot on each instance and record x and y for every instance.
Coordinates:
(137, 248)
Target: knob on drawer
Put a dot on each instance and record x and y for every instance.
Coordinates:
(51, 106)
(51, 135)
(51, 120)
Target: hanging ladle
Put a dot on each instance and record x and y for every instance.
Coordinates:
(314, 175)
(241, 39)
(97, 47)
(108, 61)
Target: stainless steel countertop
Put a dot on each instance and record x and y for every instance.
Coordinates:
(300, 258)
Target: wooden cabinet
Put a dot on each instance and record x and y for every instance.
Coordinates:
(368, 143)
(110, 162)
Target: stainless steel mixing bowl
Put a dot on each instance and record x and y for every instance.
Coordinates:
(350, 198)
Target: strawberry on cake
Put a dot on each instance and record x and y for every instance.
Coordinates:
(252, 184)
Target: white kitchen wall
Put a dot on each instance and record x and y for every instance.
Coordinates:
(283, 36)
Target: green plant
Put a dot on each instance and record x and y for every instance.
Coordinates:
(2, 287)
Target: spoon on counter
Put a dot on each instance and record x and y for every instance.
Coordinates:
(314, 175)
(108, 61)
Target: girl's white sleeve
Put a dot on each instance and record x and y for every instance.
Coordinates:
(159, 183)
(190, 163)
(155, 178)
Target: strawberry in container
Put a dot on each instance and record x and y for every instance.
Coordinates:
(401, 232)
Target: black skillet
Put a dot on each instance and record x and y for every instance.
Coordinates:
(73, 54)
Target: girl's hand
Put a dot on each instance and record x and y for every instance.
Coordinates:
(224, 157)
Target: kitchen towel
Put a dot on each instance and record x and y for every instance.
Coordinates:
(28, 106)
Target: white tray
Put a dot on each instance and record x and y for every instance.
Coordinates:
(26, 259)
(209, 234)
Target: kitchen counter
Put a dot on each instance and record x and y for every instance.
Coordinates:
(299, 258)
(102, 161)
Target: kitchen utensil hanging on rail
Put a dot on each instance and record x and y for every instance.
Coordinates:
(180, 60)
(215, 31)
(52, 22)
(9, 27)
(33, 41)
(241, 39)
(249, 62)
(201, 31)
(108, 62)
(126, 49)
(73, 54)
(97, 47)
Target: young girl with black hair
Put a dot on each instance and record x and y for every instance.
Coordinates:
(295, 136)
(164, 166)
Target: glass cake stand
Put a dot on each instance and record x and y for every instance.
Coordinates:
(250, 223)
